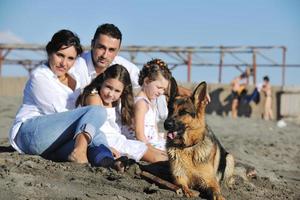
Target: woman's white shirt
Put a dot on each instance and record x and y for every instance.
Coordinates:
(44, 94)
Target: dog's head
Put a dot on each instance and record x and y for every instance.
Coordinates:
(186, 120)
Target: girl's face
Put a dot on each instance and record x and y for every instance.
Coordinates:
(154, 89)
(60, 62)
(110, 91)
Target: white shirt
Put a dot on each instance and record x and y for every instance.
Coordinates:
(131, 68)
(44, 94)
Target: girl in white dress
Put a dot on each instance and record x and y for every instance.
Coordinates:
(113, 90)
(154, 81)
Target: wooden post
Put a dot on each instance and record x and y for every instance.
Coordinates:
(1, 61)
(283, 66)
(189, 67)
(221, 65)
(254, 66)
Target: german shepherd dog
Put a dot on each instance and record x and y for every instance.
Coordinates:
(197, 159)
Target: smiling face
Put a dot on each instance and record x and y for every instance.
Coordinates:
(104, 50)
(154, 89)
(61, 61)
(110, 91)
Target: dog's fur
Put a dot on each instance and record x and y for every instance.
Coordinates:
(197, 159)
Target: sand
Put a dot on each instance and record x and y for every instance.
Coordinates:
(273, 151)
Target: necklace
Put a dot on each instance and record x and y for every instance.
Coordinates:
(63, 79)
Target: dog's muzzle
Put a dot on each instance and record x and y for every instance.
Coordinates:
(169, 124)
(174, 128)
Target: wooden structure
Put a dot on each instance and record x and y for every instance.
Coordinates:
(174, 55)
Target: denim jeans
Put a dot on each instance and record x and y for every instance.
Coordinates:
(53, 135)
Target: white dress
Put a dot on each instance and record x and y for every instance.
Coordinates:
(132, 148)
(150, 125)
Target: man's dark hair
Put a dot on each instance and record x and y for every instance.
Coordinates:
(266, 78)
(110, 30)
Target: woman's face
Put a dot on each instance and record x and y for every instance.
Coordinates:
(154, 89)
(111, 90)
(61, 61)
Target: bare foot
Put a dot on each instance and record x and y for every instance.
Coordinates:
(79, 153)
(118, 164)
(251, 172)
(77, 156)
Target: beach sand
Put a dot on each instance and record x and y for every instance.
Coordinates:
(273, 151)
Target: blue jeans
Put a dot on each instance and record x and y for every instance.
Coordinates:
(53, 135)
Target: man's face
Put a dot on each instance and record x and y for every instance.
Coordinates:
(104, 50)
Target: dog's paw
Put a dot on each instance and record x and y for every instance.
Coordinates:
(218, 196)
(190, 193)
(229, 182)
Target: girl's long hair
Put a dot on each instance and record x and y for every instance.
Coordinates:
(127, 100)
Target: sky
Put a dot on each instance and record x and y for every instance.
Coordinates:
(166, 23)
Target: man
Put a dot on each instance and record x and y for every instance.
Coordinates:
(105, 47)
(238, 88)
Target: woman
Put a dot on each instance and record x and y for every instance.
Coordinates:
(267, 90)
(47, 123)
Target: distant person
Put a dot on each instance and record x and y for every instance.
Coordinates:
(154, 80)
(105, 47)
(267, 90)
(47, 119)
(238, 89)
(109, 89)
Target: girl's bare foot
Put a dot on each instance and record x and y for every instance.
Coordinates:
(251, 172)
(119, 164)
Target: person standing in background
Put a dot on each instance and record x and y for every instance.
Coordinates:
(238, 88)
(267, 90)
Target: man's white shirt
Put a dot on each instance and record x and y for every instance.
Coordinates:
(131, 68)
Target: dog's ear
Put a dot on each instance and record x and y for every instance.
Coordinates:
(172, 93)
(199, 94)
